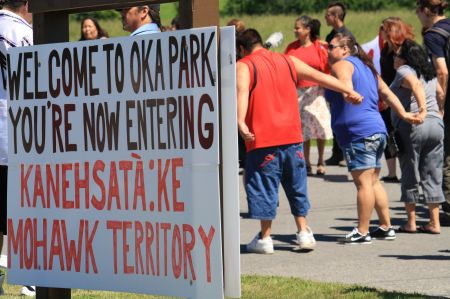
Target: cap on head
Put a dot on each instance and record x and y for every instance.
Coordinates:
(154, 7)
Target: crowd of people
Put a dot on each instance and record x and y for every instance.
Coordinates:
(401, 112)
(317, 89)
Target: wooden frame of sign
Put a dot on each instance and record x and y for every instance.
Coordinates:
(51, 14)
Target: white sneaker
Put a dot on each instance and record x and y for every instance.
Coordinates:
(305, 239)
(3, 261)
(257, 245)
(2, 278)
(28, 291)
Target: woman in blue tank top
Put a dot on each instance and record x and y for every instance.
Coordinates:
(361, 133)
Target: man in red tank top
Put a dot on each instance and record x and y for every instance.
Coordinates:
(269, 122)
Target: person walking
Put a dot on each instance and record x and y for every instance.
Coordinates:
(421, 157)
(361, 133)
(15, 31)
(143, 19)
(334, 17)
(314, 111)
(431, 15)
(269, 123)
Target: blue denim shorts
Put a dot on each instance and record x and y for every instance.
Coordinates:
(265, 169)
(365, 153)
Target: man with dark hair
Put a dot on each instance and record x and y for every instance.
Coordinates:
(334, 17)
(15, 31)
(436, 36)
(269, 123)
(142, 19)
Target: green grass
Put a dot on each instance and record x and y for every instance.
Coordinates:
(364, 25)
(260, 287)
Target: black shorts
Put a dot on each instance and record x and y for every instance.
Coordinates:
(3, 198)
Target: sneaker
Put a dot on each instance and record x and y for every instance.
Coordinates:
(28, 291)
(2, 278)
(390, 179)
(383, 234)
(257, 245)
(305, 239)
(356, 238)
(333, 161)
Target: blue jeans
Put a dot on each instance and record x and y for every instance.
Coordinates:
(365, 153)
(265, 168)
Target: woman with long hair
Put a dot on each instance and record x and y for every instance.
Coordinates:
(91, 29)
(421, 158)
(393, 32)
(314, 112)
(361, 133)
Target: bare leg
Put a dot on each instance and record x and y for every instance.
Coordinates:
(266, 228)
(321, 150)
(411, 213)
(434, 224)
(391, 165)
(301, 223)
(381, 201)
(365, 197)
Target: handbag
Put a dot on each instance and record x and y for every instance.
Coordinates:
(394, 143)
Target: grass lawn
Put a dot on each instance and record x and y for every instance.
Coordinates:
(364, 25)
(259, 287)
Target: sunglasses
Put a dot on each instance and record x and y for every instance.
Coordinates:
(331, 47)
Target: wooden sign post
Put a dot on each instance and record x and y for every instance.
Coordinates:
(49, 15)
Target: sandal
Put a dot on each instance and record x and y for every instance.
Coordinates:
(308, 170)
(426, 230)
(320, 169)
(403, 230)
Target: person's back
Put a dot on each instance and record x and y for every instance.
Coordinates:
(354, 122)
(273, 111)
(15, 31)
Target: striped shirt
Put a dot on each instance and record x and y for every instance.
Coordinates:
(14, 32)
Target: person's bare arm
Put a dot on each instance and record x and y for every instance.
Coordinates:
(242, 85)
(442, 77)
(440, 97)
(305, 72)
(411, 82)
(391, 99)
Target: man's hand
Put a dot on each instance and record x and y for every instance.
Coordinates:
(353, 98)
(245, 132)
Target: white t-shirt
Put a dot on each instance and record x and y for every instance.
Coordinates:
(14, 32)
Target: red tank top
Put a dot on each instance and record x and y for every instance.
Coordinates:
(273, 114)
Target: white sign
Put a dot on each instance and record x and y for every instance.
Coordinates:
(113, 165)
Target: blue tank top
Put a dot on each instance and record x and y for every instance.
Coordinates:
(354, 122)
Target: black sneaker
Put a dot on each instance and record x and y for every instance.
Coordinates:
(356, 238)
(383, 234)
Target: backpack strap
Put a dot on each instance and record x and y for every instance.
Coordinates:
(255, 78)
(290, 70)
(440, 31)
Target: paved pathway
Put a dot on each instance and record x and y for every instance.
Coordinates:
(412, 263)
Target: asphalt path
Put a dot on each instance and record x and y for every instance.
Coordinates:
(413, 263)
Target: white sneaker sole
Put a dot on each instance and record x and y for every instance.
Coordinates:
(310, 246)
(260, 251)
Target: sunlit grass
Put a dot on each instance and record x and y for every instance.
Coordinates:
(259, 287)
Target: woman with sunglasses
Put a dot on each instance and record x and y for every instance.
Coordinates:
(422, 155)
(361, 133)
(314, 112)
